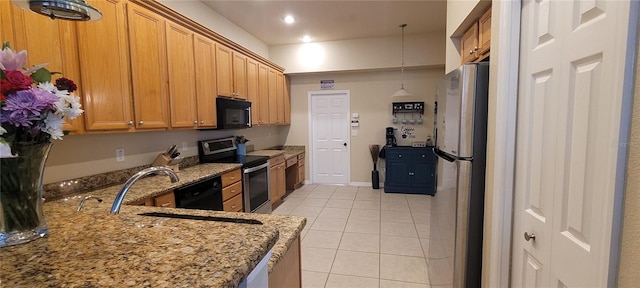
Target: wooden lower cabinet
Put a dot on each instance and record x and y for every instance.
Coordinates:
(167, 200)
(277, 180)
(232, 191)
(287, 273)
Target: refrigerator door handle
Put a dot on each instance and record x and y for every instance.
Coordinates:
(443, 155)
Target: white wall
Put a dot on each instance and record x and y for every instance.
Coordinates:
(197, 11)
(360, 54)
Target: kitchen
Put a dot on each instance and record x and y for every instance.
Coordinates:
(67, 162)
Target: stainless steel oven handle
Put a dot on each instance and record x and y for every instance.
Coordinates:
(253, 169)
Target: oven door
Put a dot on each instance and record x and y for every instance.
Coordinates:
(256, 189)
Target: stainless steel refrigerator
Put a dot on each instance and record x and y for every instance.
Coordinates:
(457, 209)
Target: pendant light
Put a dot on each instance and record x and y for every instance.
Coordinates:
(75, 10)
(402, 92)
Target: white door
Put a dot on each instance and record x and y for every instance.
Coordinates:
(329, 126)
(568, 121)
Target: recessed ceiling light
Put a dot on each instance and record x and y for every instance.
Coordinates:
(289, 19)
(306, 38)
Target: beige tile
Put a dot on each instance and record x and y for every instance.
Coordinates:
(404, 268)
(329, 224)
(283, 209)
(364, 214)
(394, 205)
(419, 206)
(325, 188)
(369, 189)
(367, 196)
(317, 259)
(396, 216)
(345, 281)
(339, 203)
(423, 231)
(322, 239)
(440, 272)
(308, 187)
(363, 226)
(356, 264)
(346, 189)
(312, 279)
(313, 202)
(421, 218)
(303, 233)
(346, 195)
(360, 242)
(365, 204)
(300, 193)
(425, 247)
(306, 211)
(393, 197)
(339, 213)
(400, 246)
(397, 284)
(398, 229)
(322, 194)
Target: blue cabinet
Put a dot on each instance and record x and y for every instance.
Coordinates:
(410, 170)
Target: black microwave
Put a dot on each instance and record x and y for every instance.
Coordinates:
(233, 114)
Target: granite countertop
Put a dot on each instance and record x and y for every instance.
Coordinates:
(287, 152)
(95, 249)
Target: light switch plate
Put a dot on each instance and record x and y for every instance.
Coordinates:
(184, 146)
(354, 132)
(119, 155)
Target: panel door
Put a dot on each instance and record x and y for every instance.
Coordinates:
(330, 136)
(253, 87)
(224, 70)
(239, 75)
(398, 173)
(205, 67)
(280, 98)
(263, 94)
(567, 141)
(182, 83)
(148, 68)
(273, 96)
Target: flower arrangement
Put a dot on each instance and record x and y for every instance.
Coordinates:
(31, 107)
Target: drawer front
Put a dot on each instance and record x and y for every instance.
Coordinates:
(292, 161)
(300, 174)
(231, 177)
(231, 190)
(234, 204)
(167, 201)
(276, 160)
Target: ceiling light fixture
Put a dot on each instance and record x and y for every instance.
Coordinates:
(75, 10)
(289, 19)
(402, 92)
(306, 38)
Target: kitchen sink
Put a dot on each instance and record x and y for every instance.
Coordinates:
(202, 218)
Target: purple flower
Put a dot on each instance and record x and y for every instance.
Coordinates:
(26, 106)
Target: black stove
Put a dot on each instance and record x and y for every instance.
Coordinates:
(224, 151)
(246, 160)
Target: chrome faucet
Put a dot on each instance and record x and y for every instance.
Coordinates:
(115, 208)
(87, 198)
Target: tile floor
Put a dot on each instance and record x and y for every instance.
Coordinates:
(361, 237)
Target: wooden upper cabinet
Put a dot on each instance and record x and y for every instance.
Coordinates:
(484, 34)
(280, 98)
(148, 67)
(273, 96)
(205, 69)
(224, 70)
(239, 75)
(287, 101)
(51, 42)
(253, 95)
(104, 62)
(263, 94)
(182, 83)
(469, 43)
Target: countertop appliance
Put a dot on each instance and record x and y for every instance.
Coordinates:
(391, 137)
(205, 194)
(233, 113)
(255, 171)
(458, 206)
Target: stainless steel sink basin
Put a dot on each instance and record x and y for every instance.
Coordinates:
(203, 218)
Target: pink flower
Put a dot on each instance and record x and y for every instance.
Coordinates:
(10, 60)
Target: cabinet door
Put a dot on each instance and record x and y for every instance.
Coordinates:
(273, 184)
(484, 33)
(205, 67)
(469, 44)
(273, 96)
(224, 70)
(397, 173)
(287, 101)
(253, 90)
(104, 62)
(51, 42)
(282, 180)
(280, 98)
(182, 84)
(263, 94)
(148, 68)
(239, 75)
(167, 200)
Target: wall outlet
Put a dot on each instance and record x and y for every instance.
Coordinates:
(119, 155)
(184, 146)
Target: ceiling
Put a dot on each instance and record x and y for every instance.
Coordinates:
(331, 20)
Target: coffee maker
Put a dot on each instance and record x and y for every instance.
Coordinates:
(391, 137)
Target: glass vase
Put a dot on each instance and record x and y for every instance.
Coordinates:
(21, 216)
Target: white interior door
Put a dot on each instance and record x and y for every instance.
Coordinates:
(329, 126)
(570, 93)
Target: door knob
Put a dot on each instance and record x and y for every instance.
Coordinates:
(528, 236)
(345, 144)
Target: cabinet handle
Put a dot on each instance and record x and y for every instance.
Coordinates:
(165, 204)
(399, 156)
(411, 174)
(475, 48)
(195, 122)
(141, 122)
(233, 207)
(202, 122)
(130, 123)
(470, 52)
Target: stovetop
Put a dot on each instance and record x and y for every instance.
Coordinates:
(224, 151)
(245, 160)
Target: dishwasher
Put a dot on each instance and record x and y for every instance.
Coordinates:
(205, 194)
